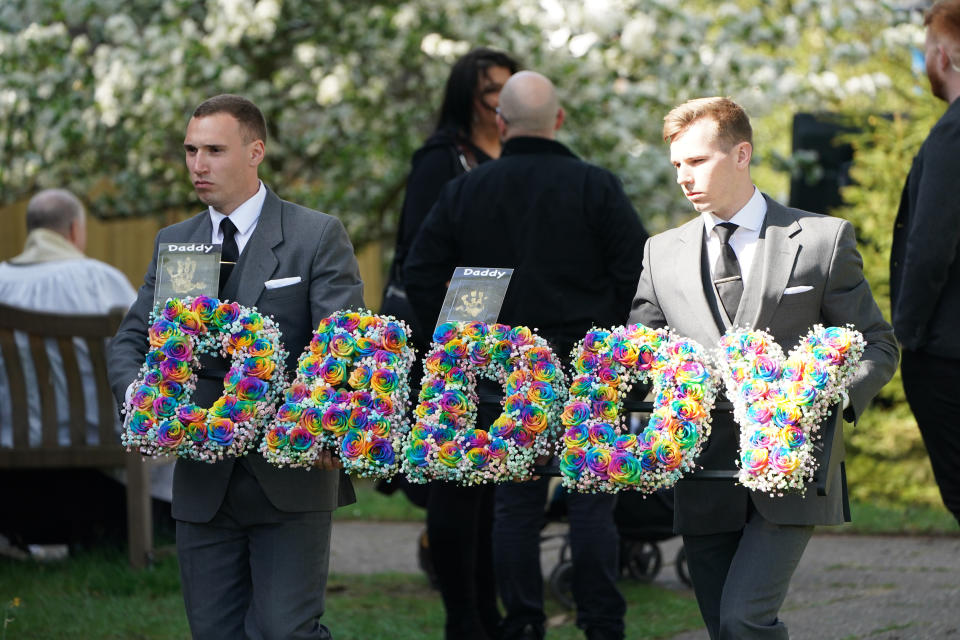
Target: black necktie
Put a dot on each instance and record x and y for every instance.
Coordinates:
(726, 272)
(229, 251)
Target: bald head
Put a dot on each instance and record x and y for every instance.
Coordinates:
(529, 106)
(60, 211)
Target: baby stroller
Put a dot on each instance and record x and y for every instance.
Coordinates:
(641, 521)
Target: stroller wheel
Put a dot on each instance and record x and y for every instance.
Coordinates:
(561, 584)
(681, 564)
(641, 559)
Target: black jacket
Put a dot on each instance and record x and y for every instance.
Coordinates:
(566, 228)
(444, 156)
(924, 261)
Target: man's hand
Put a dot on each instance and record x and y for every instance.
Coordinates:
(327, 461)
(540, 461)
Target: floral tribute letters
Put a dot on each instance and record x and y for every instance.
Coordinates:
(161, 420)
(351, 394)
(350, 397)
(445, 443)
(595, 453)
(779, 403)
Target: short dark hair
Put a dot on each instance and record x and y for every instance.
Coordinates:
(733, 123)
(457, 110)
(943, 19)
(53, 209)
(252, 124)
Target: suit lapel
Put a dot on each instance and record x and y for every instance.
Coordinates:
(259, 259)
(687, 267)
(779, 251)
(201, 229)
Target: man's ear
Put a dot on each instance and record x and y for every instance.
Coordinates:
(744, 153)
(77, 233)
(561, 116)
(945, 61)
(501, 127)
(257, 153)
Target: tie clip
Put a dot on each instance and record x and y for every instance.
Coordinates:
(727, 279)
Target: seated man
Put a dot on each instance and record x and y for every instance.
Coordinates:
(52, 275)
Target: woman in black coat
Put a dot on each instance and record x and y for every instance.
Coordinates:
(459, 519)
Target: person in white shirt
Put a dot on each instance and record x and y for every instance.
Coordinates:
(53, 275)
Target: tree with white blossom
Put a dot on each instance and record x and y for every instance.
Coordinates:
(96, 92)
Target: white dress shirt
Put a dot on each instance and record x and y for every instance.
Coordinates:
(244, 217)
(749, 220)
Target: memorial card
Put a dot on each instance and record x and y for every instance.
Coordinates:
(187, 269)
(475, 293)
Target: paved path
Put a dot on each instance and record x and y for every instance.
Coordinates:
(881, 588)
(846, 588)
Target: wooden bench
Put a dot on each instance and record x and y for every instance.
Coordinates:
(93, 330)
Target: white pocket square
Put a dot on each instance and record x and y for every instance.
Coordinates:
(281, 282)
(800, 289)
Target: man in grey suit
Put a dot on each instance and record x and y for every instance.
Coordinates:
(252, 539)
(925, 264)
(750, 262)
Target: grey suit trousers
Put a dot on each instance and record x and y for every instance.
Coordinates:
(254, 571)
(741, 577)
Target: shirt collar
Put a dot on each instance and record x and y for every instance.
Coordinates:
(524, 145)
(45, 245)
(246, 215)
(749, 217)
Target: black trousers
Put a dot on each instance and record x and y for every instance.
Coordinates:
(459, 528)
(931, 384)
(594, 543)
(459, 524)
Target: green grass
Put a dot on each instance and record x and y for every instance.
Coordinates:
(874, 519)
(373, 505)
(95, 595)
(868, 518)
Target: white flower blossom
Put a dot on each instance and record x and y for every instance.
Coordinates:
(553, 11)
(603, 17)
(638, 33)
(329, 90)
(430, 43)
(121, 29)
(233, 77)
(404, 18)
(580, 44)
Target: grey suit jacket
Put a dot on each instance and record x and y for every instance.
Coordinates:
(795, 248)
(289, 240)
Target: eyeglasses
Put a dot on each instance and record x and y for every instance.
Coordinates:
(502, 117)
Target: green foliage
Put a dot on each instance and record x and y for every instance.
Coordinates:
(888, 463)
(876, 519)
